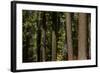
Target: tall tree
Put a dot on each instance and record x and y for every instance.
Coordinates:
(82, 36)
(54, 23)
(69, 36)
(38, 36)
(75, 34)
(44, 36)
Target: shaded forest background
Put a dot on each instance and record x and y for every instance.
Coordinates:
(55, 36)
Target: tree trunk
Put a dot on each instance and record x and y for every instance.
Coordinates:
(82, 36)
(38, 37)
(75, 35)
(54, 44)
(44, 36)
(69, 36)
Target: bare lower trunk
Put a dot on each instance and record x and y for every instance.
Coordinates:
(82, 36)
(69, 36)
(53, 46)
(44, 45)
